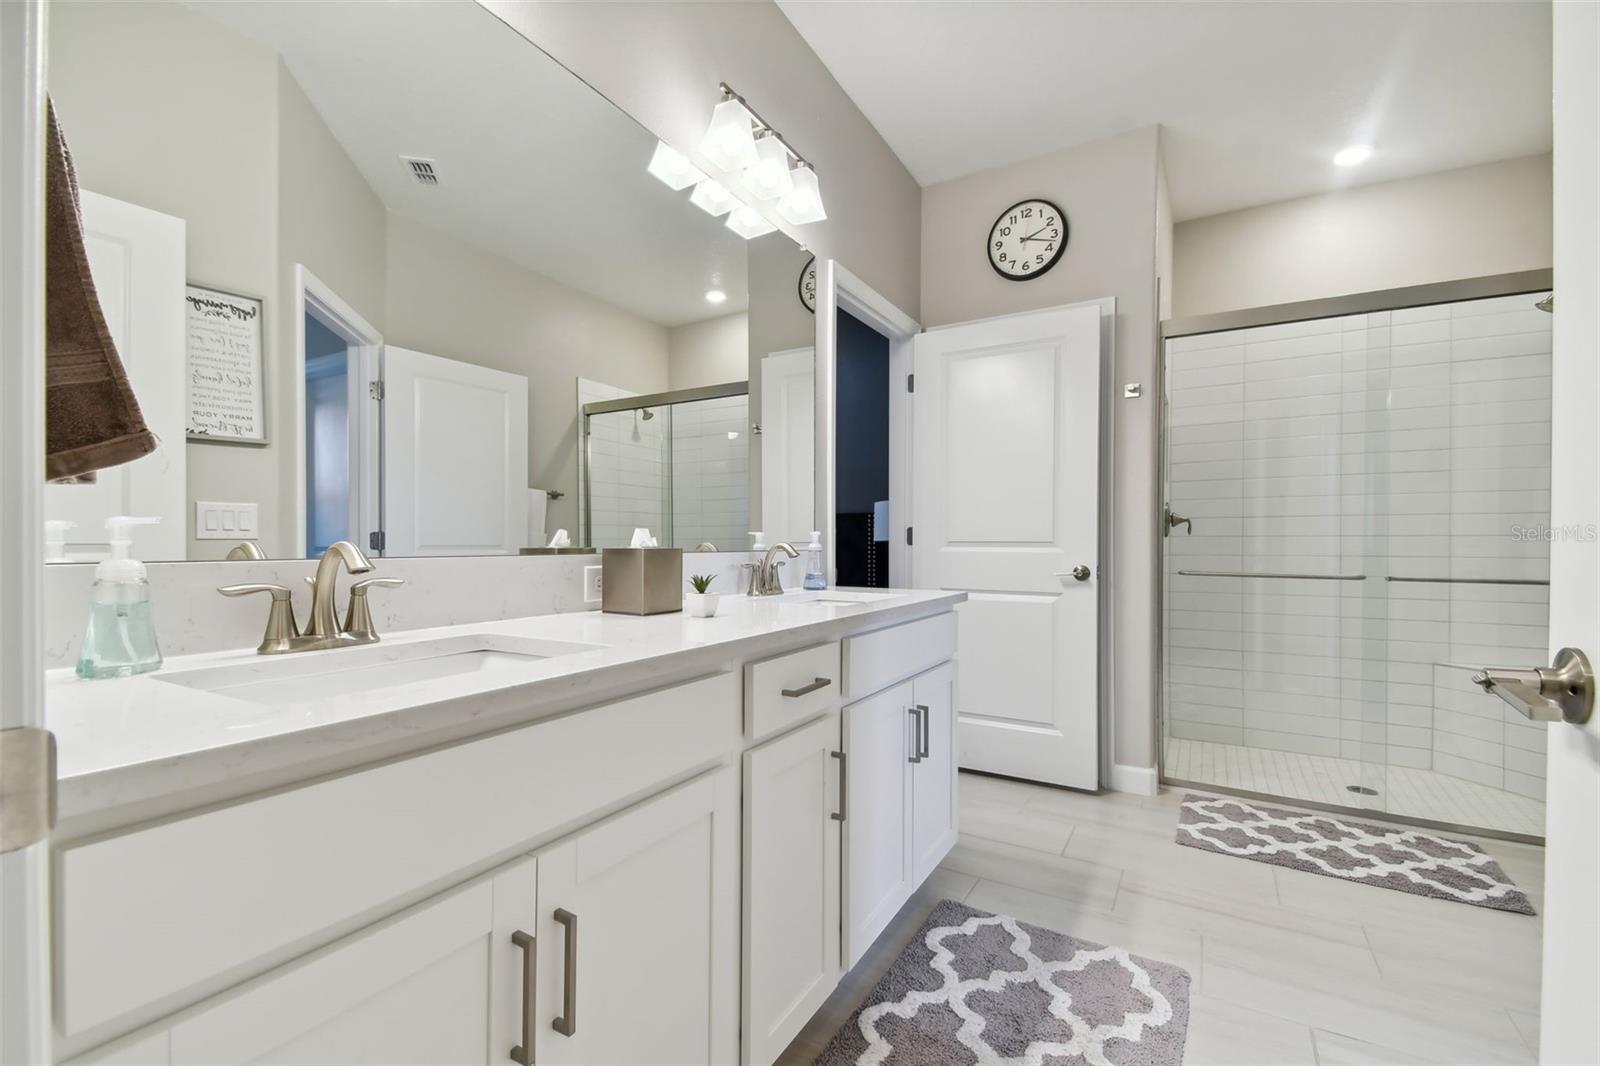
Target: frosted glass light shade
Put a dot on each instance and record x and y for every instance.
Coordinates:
(803, 202)
(747, 222)
(710, 197)
(769, 179)
(671, 167)
(728, 141)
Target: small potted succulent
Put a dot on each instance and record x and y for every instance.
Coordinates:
(701, 603)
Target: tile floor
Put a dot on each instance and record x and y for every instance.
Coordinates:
(1287, 967)
(1402, 790)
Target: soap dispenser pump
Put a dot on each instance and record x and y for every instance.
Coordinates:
(814, 576)
(120, 638)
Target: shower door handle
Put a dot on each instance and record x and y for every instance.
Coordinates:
(1561, 692)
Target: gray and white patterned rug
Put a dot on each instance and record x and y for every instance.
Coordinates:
(1388, 856)
(974, 987)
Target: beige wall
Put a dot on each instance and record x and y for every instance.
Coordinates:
(218, 172)
(448, 298)
(1488, 219)
(1109, 191)
(661, 63)
(711, 352)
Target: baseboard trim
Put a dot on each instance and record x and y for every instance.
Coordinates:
(1139, 780)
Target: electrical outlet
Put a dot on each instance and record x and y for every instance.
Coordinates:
(591, 584)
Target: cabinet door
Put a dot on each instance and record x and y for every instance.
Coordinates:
(639, 933)
(438, 983)
(934, 816)
(792, 818)
(878, 874)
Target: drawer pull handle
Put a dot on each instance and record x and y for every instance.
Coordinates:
(922, 751)
(916, 734)
(844, 788)
(523, 1052)
(806, 690)
(567, 1023)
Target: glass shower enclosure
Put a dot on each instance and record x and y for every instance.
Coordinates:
(1357, 517)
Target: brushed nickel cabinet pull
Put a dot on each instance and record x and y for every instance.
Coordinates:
(567, 1023)
(523, 1052)
(844, 788)
(922, 751)
(916, 734)
(806, 690)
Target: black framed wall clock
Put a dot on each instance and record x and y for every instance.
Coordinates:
(807, 286)
(1027, 239)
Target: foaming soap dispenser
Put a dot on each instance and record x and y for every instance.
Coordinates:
(815, 579)
(120, 639)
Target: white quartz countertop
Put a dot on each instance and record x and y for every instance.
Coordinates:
(140, 747)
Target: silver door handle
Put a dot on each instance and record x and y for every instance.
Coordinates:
(567, 1023)
(916, 735)
(1561, 692)
(844, 788)
(922, 749)
(806, 690)
(1077, 573)
(523, 1052)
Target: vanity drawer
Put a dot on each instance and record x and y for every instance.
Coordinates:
(164, 913)
(874, 661)
(781, 691)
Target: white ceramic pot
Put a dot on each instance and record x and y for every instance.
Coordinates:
(701, 605)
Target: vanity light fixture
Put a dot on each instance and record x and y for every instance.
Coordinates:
(729, 142)
(1353, 155)
(769, 179)
(716, 296)
(671, 167)
(749, 223)
(803, 202)
(710, 197)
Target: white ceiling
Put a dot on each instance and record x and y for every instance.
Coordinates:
(1255, 97)
(534, 165)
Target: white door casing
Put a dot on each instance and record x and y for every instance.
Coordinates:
(1569, 1027)
(455, 456)
(1006, 506)
(138, 259)
(788, 459)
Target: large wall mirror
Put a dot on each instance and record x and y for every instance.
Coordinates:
(387, 272)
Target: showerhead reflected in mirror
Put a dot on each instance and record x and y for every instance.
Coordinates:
(443, 253)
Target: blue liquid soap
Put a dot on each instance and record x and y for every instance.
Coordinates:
(814, 580)
(120, 637)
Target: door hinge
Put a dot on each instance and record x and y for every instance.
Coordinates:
(375, 540)
(908, 536)
(375, 390)
(27, 786)
(911, 383)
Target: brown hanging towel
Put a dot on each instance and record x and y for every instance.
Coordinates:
(92, 419)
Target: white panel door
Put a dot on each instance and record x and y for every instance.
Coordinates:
(455, 457)
(791, 884)
(935, 817)
(879, 742)
(788, 445)
(1569, 1027)
(138, 260)
(647, 906)
(1006, 506)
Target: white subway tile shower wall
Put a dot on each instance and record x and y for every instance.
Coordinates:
(1411, 443)
(626, 483)
(710, 471)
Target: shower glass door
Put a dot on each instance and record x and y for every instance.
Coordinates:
(1367, 504)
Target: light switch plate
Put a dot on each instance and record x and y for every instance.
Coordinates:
(225, 521)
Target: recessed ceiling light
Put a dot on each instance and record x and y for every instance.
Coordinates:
(715, 296)
(1353, 156)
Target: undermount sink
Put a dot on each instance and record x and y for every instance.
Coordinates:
(836, 598)
(306, 676)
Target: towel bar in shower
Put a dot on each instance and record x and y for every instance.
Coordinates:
(1471, 580)
(1286, 577)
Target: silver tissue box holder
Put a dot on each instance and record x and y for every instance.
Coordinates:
(641, 580)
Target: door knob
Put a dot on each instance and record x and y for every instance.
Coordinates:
(1079, 573)
(1563, 692)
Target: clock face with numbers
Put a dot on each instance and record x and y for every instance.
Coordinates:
(1027, 239)
(808, 285)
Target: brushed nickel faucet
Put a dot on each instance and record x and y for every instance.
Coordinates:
(764, 580)
(283, 634)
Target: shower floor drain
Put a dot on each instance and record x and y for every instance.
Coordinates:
(1361, 790)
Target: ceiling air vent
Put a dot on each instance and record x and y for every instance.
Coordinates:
(421, 169)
